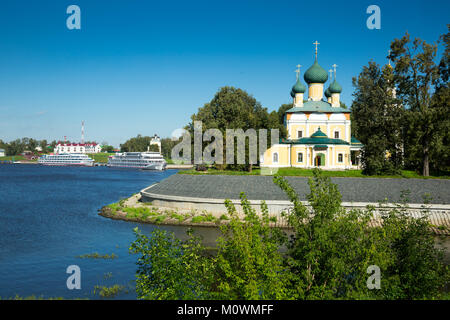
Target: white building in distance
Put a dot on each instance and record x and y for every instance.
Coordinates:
(77, 148)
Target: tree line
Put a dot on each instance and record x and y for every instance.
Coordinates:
(401, 113)
(18, 146)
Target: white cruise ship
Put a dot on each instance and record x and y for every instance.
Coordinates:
(66, 159)
(140, 160)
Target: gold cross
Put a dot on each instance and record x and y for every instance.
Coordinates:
(316, 44)
(298, 70)
(334, 67)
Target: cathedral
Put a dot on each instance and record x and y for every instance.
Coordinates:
(318, 128)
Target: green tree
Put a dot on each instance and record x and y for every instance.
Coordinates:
(136, 144)
(233, 108)
(106, 148)
(248, 263)
(418, 76)
(43, 145)
(169, 268)
(166, 147)
(377, 120)
(153, 148)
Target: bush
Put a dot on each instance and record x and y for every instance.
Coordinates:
(326, 255)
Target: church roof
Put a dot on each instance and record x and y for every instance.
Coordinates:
(316, 74)
(335, 87)
(355, 141)
(318, 106)
(299, 87)
(318, 138)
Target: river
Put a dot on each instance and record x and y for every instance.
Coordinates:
(48, 217)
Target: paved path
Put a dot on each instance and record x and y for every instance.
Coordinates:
(263, 188)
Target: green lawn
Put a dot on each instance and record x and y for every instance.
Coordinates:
(309, 173)
(9, 158)
(100, 157)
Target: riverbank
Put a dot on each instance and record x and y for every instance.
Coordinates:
(133, 210)
(299, 172)
(136, 209)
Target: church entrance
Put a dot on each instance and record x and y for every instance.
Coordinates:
(319, 160)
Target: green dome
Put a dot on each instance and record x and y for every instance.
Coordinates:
(327, 92)
(292, 93)
(299, 87)
(335, 87)
(316, 74)
(318, 134)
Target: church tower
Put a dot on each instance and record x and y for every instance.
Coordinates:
(315, 77)
(298, 90)
(335, 90)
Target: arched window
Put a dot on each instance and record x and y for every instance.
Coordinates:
(300, 157)
(275, 157)
(340, 157)
(336, 134)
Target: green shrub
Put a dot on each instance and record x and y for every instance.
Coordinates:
(325, 256)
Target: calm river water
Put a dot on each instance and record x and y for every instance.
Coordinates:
(48, 217)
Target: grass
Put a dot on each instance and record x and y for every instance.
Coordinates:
(298, 172)
(101, 157)
(96, 255)
(9, 158)
(109, 292)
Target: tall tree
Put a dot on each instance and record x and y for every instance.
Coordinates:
(233, 108)
(136, 144)
(376, 120)
(417, 77)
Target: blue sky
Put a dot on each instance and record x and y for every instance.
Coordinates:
(146, 66)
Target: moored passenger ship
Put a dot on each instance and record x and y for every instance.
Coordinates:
(66, 159)
(139, 160)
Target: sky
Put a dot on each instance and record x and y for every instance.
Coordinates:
(144, 67)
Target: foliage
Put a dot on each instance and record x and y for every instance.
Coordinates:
(233, 108)
(106, 148)
(136, 144)
(169, 268)
(109, 292)
(423, 88)
(248, 263)
(96, 255)
(327, 254)
(377, 120)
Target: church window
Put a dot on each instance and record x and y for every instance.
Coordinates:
(340, 157)
(299, 157)
(336, 134)
(275, 157)
(299, 134)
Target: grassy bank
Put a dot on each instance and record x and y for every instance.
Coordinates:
(10, 158)
(133, 210)
(100, 157)
(298, 172)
